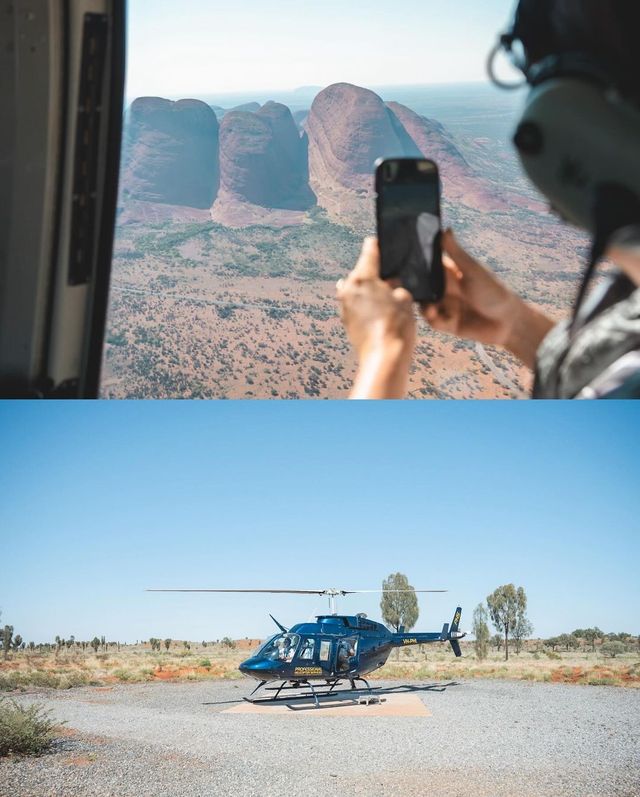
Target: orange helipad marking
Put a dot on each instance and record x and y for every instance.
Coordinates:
(390, 706)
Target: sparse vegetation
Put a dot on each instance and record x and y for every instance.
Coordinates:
(24, 730)
(481, 632)
(67, 663)
(210, 311)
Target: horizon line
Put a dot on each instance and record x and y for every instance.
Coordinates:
(301, 89)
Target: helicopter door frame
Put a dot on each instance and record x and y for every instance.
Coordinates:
(62, 86)
(354, 639)
(307, 660)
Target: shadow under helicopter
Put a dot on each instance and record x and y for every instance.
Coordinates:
(344, 697)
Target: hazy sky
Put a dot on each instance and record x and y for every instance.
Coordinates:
(100, 500)
(196, 47)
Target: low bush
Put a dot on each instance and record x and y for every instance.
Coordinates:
(24, 730)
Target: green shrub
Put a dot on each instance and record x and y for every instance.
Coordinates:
(204, 663)
(24, 730)
(612, 649)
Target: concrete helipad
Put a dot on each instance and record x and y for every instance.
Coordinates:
(399, 705)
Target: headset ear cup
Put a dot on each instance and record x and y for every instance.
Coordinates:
(574, 137)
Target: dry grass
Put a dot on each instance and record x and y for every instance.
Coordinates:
(137, 664)
(575, 668)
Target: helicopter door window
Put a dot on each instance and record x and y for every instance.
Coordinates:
(325, 649)
(346, 651)
(307, 649)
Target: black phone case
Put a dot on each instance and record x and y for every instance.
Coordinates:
(425, 287)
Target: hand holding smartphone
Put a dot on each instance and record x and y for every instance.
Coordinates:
(409, 229)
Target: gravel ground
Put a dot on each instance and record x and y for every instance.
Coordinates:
(484, 739)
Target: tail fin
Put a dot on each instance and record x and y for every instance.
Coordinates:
(445, 632)
(455, 634)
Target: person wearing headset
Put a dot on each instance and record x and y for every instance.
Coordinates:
(579, 142)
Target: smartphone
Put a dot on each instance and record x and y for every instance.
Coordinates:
(409, 228)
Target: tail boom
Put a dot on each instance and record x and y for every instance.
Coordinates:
(450, 634)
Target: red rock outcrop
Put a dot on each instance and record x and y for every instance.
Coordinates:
(459, 182)
(170, 153)
(349, 128)
(263, 159)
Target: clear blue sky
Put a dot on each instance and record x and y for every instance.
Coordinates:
(100, 500)
(200, 47)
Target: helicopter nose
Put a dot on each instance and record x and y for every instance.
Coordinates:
(262, 669)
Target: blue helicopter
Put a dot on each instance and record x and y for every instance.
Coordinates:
(334, 649)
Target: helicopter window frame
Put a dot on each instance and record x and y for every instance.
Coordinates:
(307, 646)
(325, 647)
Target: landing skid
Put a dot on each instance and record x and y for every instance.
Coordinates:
(327, 690)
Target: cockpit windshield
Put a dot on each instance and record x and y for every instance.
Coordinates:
(281, 647)
(264, 645)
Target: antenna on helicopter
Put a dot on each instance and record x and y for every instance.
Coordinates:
(332, 593)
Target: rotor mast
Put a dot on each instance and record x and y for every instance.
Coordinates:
(332, 594)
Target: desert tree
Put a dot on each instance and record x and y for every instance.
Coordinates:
(590, 635)
(612, 649)
(95, 644)
(167, 643)
(504, 604)
(496, 641)
(7, 636)
(399, 603)
(523, 628)
(568, 641)
(481, 631)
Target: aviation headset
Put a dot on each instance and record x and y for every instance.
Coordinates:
(579, 136)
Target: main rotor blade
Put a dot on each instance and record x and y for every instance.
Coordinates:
(359, 591)
(301, 591)
(275, 591)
